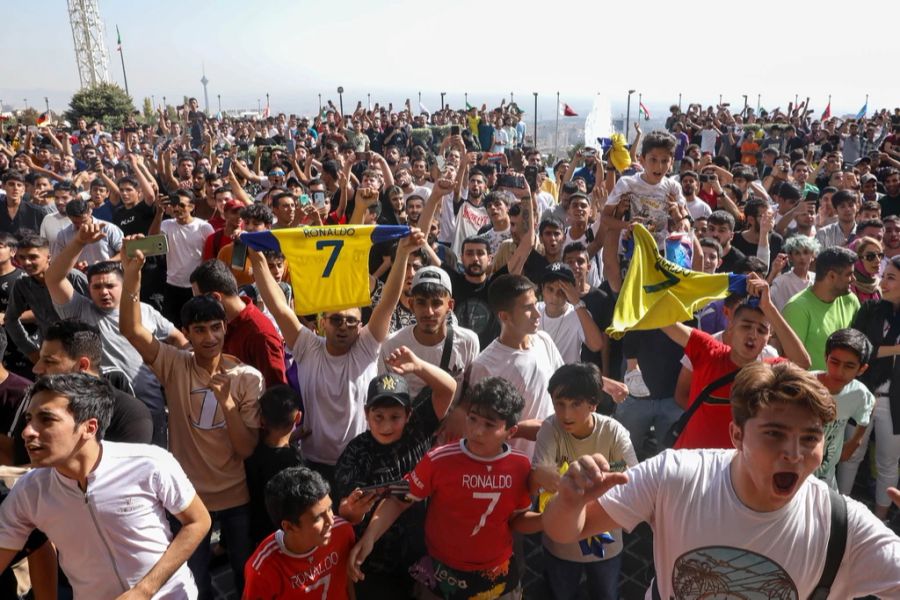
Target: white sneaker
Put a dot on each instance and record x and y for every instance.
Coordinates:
(636, 386)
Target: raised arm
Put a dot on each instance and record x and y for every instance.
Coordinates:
(593, 337)
(516, 262)
(61, 290)
(403, 361)
(130, 324)
(274, 298)
(380, 321)
(574, 513)
(678, 332)
(791, 345)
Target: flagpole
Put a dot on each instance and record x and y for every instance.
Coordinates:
(556, 137)
(535, 121)
(122, 57)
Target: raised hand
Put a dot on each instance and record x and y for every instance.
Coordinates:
(403, 361)
(589, 478)
(90, 233)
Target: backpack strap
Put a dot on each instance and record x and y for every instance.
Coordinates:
(837, 545)
(448, 349)
(680, 425)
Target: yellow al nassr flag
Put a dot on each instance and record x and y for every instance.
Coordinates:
(657, 292)
(329, 264)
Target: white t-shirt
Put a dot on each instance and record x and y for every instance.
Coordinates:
(50, 228)
(698, 208)
(565, 330)
(528, 370)
(704, 535)
(185, 249)
(708, 139)
(469, 220)
(855, 402)
(465, 349)
(448, 219)
(767, 352)
(787, 285)
(112, 535)
(495, 238)
(595, 267)
(334, 390)
(648, 202)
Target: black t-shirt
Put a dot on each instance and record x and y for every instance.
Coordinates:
(890, 205)
(600, 305)
(366, 462)
(730, 260)
(659, 359)
(263, 465)
(134, 220)
(472, 309)
(13, 359)
(533, 268)
(776, 243)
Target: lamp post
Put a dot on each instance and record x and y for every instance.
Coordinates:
(340, 92)
(628, 115)
(535, 120)
(745, 103)
(368, 101)
(320, 104)
(442, 100)
(466, 98)
(679, 100)
(219, 98)
(47, 103)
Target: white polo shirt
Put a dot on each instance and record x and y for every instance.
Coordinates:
(109, 537)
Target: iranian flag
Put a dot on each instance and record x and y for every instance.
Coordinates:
(118, 40)
(566, 111)
(827, 113)
(644, 112)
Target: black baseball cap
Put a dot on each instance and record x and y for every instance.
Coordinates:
(388, 386)
(558, 272)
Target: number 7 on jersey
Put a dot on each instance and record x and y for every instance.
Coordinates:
(336, 246)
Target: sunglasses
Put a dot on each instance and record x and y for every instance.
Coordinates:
(870, 256)
(338, 320)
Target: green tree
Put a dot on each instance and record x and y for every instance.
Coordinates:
(28, 116)
(149, 112)
(106, 102)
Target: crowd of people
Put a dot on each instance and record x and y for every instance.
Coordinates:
(159, 385)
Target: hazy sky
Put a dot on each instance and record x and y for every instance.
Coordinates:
(297, 49)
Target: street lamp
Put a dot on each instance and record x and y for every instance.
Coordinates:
(320, 104)
(442, 100)
(628, 115)
(219, 96)
(340, 91)
(258, 106)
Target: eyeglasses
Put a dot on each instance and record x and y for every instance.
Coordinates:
(870, 256)
(338, 320)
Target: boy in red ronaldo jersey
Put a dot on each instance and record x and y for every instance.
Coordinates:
(478, 495)
(307, 557)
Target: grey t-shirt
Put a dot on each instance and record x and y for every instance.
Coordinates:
(118, 351)
(92, 253)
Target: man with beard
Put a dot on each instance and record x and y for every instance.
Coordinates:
(826, 306)
(429, 337)
(697, 207)
(890, 202)
(471, 214)
(891, 237)
(471, 290)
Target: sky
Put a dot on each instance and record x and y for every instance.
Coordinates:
(295, 50)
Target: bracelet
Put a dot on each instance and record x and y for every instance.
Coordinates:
(580, 304)
(134, 297)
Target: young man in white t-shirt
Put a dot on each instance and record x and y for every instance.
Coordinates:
(753, 516)
(565, 316)
(334, 371)
(523, 355)
(186, 236)
(432, 303)
(102, 504)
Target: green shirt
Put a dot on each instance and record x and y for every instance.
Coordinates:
(813, 321)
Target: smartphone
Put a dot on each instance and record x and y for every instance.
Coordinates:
(704, 178)
(531, 173)
(589, 152)
(398, 488)
(454, 130)
(226, 166)
(304, 199)
(291, 147)
(239, 255)
(151, 245)
(318, 199)
(363, 156)
(507, 181)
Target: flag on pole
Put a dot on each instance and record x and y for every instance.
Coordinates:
(42, 119)
(827, 113)
(469, 106)
(265, 114)
(657, 292)
(862, 112)
(329, 265)
(645, 112)
(566, 111)
(424, 109)
(118, 40)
